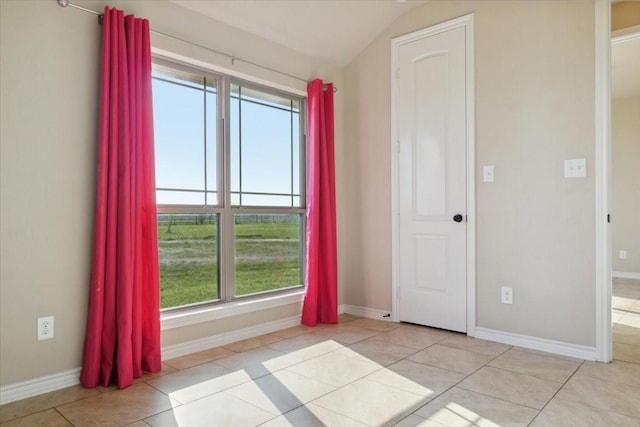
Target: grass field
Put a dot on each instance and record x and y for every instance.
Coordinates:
(267, 256)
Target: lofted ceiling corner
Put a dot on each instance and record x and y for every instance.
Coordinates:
(335, 31)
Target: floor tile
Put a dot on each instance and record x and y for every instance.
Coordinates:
(49, 418)
(220, 409)
(545, 353)
(280, 392)
(344, 317)
(139, 423)
(464, 408)
(371, 403)
(197, 382)
(622, 303)
(453, 359)
(194, 359)
(307, 345)
(475, 345)
(631, 319)
(616, 315)
(414, 336)
(626, 352)
(381, 352)
(417, 378)
(39, 403)
(335, 369)
(375, 325)
(117, 408)
(294, 331)
(607, 395)
(346, 334)
(312, 416)
(545, 367)
(616, 371)
(628, 288)
(511, 386)
(626, 334)
(254, 342)
(560, 412)
(258, 362)
(416, 421)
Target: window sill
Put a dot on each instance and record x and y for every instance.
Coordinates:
(235, 308)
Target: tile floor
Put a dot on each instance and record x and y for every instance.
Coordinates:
(365, 372)
(625, 304)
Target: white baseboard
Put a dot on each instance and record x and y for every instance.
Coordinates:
(625, 274)
(540, 344)
(36, 386)
(370, 313)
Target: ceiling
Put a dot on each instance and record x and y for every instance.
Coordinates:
(625, 68)
(341, 28)
(346, 27)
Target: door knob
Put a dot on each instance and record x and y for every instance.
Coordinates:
(457, 218)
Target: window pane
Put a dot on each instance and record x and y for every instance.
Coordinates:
(268, 252)
(188, 247)
(264, 148)
(179, 198)
(185, 144)
(234, 136)
(179, 136)
(265, 200)
(211, 141)
(295, 120)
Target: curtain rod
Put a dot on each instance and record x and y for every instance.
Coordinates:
(65, 3)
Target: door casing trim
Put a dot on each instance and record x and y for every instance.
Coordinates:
(466, 22)
(603, 244)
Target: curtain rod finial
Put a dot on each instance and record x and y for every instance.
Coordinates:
(63, 3)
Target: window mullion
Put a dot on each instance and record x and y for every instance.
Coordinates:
(204, 137)
(227, 245)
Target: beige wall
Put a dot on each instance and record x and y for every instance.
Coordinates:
(625, 14)
(534, 101)
(49, 107)
(625, 183)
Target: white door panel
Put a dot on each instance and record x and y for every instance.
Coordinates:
(431, 129)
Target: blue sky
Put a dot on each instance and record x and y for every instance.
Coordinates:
(179, 127)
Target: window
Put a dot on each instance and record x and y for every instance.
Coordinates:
(230, 187)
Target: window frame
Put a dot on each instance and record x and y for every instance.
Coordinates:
(225, 211)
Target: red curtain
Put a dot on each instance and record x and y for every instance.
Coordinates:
(321, 266)
(123, 322)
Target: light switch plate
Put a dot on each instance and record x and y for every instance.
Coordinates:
(487, 173)
(575, 168)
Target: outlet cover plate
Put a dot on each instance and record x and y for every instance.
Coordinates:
(506, 295)
(45, 328)
(575, 168)
(488, 173)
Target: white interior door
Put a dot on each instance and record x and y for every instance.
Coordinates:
(431, 131)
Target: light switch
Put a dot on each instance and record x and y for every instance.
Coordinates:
(487, 173)
(575, 168)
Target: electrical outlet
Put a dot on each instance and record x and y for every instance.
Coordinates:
(623, 254)
(506, 295)
(575, 168)
(45, 328)
(488, 173)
